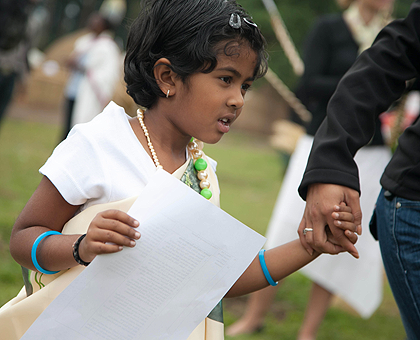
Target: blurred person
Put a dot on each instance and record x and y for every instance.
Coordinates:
(15, 43)
(331, 48)
(96, 66)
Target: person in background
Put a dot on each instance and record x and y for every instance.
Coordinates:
(378, 78)
(331, 48)
(96, 66)
(15, 42)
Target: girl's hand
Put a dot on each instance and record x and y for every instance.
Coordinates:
(108, 232)
(344, 219)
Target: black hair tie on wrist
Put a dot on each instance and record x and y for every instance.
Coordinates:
(76, 251)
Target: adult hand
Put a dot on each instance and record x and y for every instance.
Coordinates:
(320, 202)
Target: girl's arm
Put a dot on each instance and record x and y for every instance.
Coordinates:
(47, 210)
(288, 258)
(281, 262)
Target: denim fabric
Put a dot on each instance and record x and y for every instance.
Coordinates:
(398, 222)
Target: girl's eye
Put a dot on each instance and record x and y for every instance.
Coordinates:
(227, 80)
(246, 87)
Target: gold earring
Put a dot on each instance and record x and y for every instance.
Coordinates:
(167, 94)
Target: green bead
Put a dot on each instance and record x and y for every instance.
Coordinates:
(200, 164)
(192, 139)
(206, 193)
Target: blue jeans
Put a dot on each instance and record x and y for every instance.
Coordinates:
(398, 223)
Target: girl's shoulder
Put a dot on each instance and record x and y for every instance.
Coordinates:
(107, 136)
(94, 163)
(111, 122)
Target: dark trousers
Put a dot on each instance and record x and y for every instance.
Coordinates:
(7, 84)
(68, 111)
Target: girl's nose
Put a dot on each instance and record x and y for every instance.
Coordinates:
(236, 100)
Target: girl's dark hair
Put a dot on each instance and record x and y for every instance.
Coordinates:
(186, 32)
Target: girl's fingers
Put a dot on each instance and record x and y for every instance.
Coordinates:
(121, 216)
(351, 236)
(343, 216)
(344, 220)
(109, 232)
(119, 222)
(118, 227)
(104, 241)
(342, 207)
(347, 209)
(109, 236)
(104, 248)
(345, 225)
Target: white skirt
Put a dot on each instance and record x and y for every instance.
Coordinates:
(358, 282)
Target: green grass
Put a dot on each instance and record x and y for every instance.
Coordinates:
(24, 147)
(250, 177)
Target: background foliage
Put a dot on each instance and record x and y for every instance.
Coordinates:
(69, 15)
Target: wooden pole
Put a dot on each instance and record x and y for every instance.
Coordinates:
(283, 37)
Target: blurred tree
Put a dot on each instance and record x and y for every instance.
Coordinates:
(67, 16)
(298, 18)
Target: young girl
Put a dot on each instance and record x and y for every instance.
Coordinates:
(189, 63)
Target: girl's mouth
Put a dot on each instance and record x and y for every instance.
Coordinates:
(224, 125)
(225, 121)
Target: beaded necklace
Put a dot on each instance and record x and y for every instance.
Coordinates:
(194, 148)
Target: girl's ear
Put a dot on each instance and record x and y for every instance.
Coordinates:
(165, 77)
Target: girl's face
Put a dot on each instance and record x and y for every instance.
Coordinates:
(209, 103)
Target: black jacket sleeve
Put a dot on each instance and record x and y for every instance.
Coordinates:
(375, 80)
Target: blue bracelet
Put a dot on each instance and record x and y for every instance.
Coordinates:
(265, 269)
(34, 248)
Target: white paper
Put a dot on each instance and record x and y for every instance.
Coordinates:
(189, 255)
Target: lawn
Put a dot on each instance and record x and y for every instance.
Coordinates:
(250, 176)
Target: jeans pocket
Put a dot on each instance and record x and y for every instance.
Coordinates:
(372, 225)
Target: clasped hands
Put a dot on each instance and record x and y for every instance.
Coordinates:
(331, 219)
